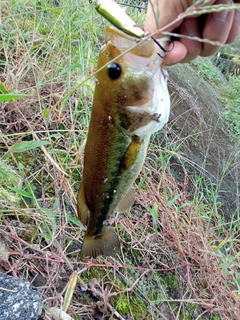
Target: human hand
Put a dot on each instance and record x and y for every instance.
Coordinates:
(221, 26)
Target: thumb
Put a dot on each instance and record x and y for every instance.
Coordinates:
(160, 13)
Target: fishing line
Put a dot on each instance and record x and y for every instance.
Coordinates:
(133, 6)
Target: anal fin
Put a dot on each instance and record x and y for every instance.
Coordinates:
(126, 202)
(106, 244)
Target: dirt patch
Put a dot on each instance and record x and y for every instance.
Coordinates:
(204, 147)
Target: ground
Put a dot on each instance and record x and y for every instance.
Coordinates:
(180, 241)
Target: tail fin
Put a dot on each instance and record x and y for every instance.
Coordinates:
(106, 244)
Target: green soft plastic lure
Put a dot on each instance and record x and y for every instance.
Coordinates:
(112, 12)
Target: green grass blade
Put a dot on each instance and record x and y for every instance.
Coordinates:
(11, 96)
(28, 145)
(22, 193)
(70, 290)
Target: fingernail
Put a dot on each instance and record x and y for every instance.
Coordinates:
(222, 15)
(190, 32)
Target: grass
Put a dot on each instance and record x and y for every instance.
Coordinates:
(230, 98)
(227, 85)
(180, 256)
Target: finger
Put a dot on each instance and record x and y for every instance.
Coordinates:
(235, 30)
(190, 27)
(176, 54)
(162, 12)
(217, 28)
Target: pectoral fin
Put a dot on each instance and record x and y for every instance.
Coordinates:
(126, 203)
(82, 208)
(131, 154)
(106, 244)
(133, 118)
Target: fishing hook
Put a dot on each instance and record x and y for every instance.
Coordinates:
(163, 49)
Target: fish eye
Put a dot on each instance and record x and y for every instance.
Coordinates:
(114, 71)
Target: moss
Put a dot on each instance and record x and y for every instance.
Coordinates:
(131, 305)
(93, 273)
(122, 305)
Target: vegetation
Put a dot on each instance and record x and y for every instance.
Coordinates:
(180, 255)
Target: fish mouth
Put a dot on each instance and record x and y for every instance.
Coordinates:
(123, 42)
(142, 53)
(142, 88)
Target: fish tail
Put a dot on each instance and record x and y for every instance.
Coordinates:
(107, 243)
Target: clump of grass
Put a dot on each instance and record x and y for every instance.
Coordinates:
(231, 99)
(9, 178)
(227, 84)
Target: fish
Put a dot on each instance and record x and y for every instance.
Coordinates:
(131, 101)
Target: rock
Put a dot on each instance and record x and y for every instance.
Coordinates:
(227, 63)
(19, 300)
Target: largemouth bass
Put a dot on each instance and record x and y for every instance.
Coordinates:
(131, 101)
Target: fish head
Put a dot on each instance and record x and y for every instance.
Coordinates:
(131, 84)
